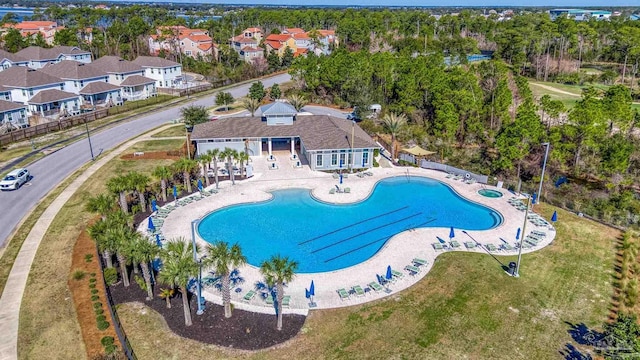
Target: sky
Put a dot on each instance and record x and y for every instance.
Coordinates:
(430, 3)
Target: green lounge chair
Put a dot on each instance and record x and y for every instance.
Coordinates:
(491, 247)
(397, 274)
(347, 190)
(332, 191)
(419, 262)
(507, 247)
(412, 269)
(249, 296)
(469, 244)
(454, 244)
(437, 246)
(269, 300)
(343, 294)
(286, 301)
(375, 286)
(358, 289)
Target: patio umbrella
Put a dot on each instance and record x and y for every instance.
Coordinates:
(154, 205)
(389, 275)
(340, 178)
(199, 184)
(150, 226)
(175, 192)
(533, 198)
(441, 240)
(158, 242)
(554, 217)
(312, 289)
(518, 234)
(306, 293)
(452, 234)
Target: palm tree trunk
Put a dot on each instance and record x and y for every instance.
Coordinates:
(226, 295)
(185, 306)
(147, 279)
(135, 267)
(233, 178)
(163, 185)
(143, 201)
(187, 181)
(123, 269)
(624, 68)
(168, 300)
(106, 255)
(206, 176)
(123, 202)
(279, 296)
(215, 171)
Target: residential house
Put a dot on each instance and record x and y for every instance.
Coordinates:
(101, 94)
(48, 29)
(247, 44)
(13, 115)
(118, 68)
(326, 40)
(301, 42)
(8, 59)
(180, 39)
(138, 87)
(250, 54)
(279, 43)
(327, 143)
(166, 73)
(580, 14)
(38, 57)
(52, 104)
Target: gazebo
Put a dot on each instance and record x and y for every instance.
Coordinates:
(414, 154)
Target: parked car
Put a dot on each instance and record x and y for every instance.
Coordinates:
(15, 179)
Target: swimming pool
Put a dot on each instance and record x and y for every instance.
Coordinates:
(490, 193)
(326, 237)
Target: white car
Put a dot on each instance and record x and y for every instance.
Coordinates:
(15, 179)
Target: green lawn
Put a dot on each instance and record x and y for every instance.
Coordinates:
(568, 100)
(177, 130)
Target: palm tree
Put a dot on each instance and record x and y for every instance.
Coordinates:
(215, 155)
(144, 252)
(185, 166)
(393, 124)
(224, 259)
(166, 294)
(251, 105)
(177, 269)
(139, 183)
(230, 155)
(120, 185)
(297, 101)
(121, 237)
(242, 157)
(101, 204)
(277, 271)
(106, 247)
(163, 173)
(205, 159)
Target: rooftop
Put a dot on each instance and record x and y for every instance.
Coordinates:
(38, 53)
(9, 105)
(98, 87)
(11, 57)
(115, 64)
(154, 61)
(69, 69)
(51, 95)
(136, 80)
(24, 77)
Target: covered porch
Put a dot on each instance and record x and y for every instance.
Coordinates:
(100, 94)
(138, 87)
(54, 104)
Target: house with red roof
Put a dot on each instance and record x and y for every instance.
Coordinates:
(247, 44)
(181, 39)
(48, 29)
(301, 42)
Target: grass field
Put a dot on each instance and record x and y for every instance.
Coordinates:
(466, 307)
(177, 130)
(540, 88)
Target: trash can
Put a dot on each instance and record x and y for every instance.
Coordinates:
(512, 268)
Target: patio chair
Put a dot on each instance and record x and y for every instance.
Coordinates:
(249, 296)
(507, 247)
(419, 262)
(437, 246)
(286, 301)
(412, 269)
(470, 245)
(491, 247)
(336, 176)
(454, 244)
(332, 191)
(368, 173)
(397, 274)
(358, 289)
(269, 299)
(347, 190)
(375, 286)
(343, 294)
(360, 175)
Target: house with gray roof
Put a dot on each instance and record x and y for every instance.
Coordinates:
(166, 73)
(52, 104)
(118, 68)
(8, 60)
(75, 74)
(326, 142)
(101, 94)
(38, 57)
(13, 115)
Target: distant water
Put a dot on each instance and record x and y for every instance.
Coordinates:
(406, 3)
(21, 13)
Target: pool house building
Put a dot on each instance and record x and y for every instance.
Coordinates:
(324, 142)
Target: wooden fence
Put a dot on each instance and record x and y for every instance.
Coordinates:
(185, 91)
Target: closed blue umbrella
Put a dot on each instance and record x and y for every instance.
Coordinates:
(306, 293)
(389, 275)
(554, 218)
(340, 178)
(533, 198)
(312, 289)
(175, 192)
(199, 184)
(150, 226)
(158, 242)
(452, 234)
(154, 205)
(441, 241)
(518, 234)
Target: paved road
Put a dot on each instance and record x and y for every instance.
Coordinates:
(52, 169)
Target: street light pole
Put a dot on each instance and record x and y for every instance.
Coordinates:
(353, 156)
(524, 228)
(89, 138)
(544, 166)
(200, 310)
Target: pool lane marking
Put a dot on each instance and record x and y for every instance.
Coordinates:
(352, 225)
(365, 232)
(361, 247)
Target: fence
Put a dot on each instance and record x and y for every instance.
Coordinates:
(454, 170)
(117, 326)
(184, 91)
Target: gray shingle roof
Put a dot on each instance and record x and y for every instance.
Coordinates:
(154, 62)
(73, 70)
(24, 77)
(8, 106)
(47, 96)
(116, 65)
(278, 108)
(98, 87)
(11, 57)
(135, 80)
(38, 53)
(317, 132)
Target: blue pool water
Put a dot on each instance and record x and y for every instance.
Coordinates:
(325, 237)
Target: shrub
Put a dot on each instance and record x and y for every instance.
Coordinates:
(78, 274)
(140, 281)
(93, 274)
(95, 297)
(92, 286)
(94, 291)
(98, 311)
(101, 318)
(110, 349)
(110, 276)
(97, 305)
(88, 258)
(92, 280)
(103, 325)
(107, 340)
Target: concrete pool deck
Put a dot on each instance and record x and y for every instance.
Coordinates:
(398, 252)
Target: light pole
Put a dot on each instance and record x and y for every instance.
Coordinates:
(524, 228)
(89, 138)
(353, 156)
(200, 310)
(544, 166)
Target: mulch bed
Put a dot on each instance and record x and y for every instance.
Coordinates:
(244, 330)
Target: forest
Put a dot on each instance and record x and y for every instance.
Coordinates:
(483, 116)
